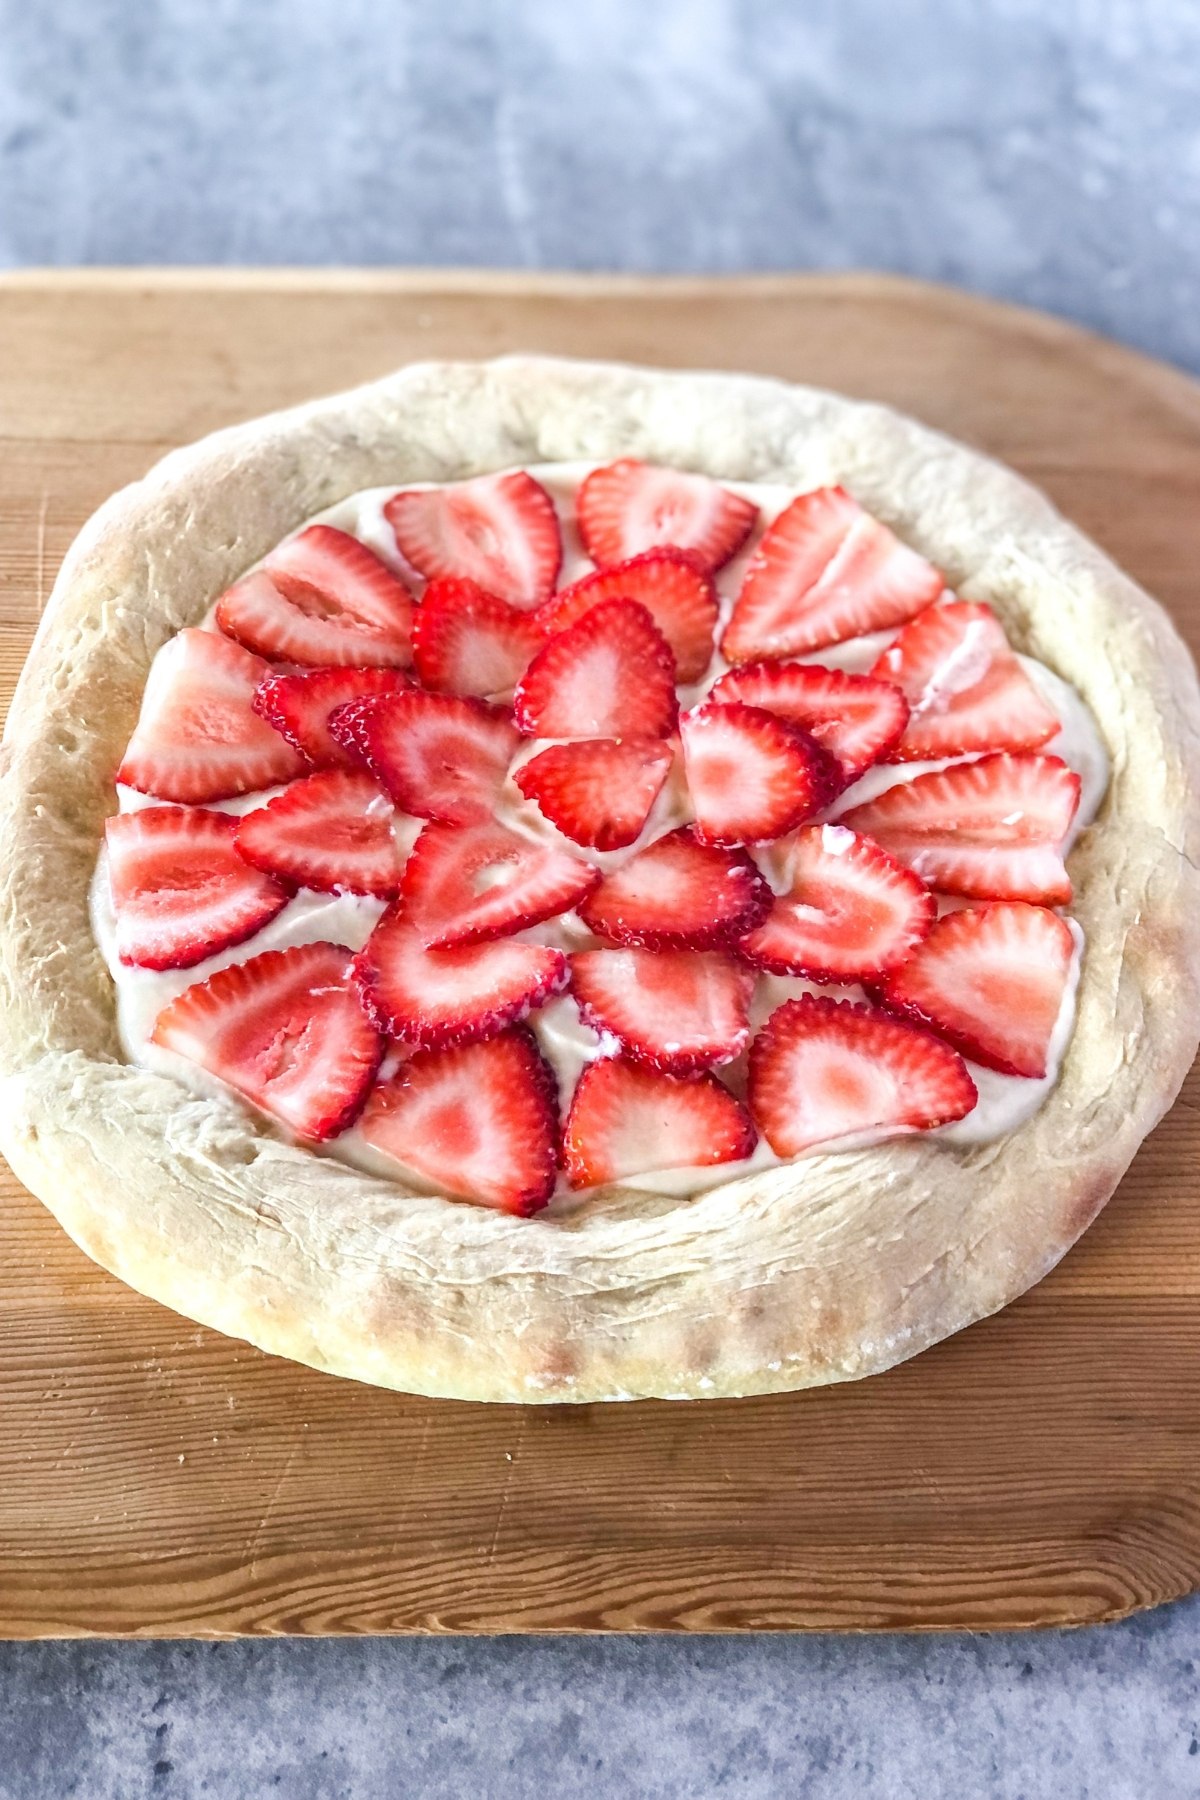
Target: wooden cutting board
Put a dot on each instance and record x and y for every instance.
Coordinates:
(1041, 1468)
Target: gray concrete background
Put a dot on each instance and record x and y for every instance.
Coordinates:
(1049, 153)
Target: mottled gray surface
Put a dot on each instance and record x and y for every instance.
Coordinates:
(1049, 153)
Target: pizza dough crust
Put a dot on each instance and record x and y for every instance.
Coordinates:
(833, 1268)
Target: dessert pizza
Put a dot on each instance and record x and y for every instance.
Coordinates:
(545, 881)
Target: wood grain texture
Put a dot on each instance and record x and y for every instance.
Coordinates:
(1041, 1468)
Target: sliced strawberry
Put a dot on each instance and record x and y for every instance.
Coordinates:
(198, 737)
(466, 641)
(331, 831)
(752, 776)
(346, 725)
(322, 597)
(678, 1010)
(990, 980)
(611, 674)
(856, 718)
(480, 1121)
(287, 1030)
(825, 571)
(823, 1070)
(442, 997)
(440, 756)
(597, 792)
(299, 707)
(673, 586)
(631, 506)
(627, 1120)
(678, 893)
(466, 883)
(498, 530)
(966, 689)
(851, 911)
(989, 829)
(179, 889)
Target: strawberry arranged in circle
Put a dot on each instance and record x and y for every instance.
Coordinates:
(180, 891)
(824, 571)
(991, 981)
(440, 756)
(825, 1070)
(597, 792)
(610, 675)
(480, 1121)
(678, 893)
(631, 506)
(673, 585)
(677, 1010)
(752, 777)
(321, 598)
(437, 998)
(331, 831)
(467, 641)
(991, 829)
(858, 719)
(465, 883)
(198, 737)
(300, 707)
(500, 531)
(287, 1031)
(964, 686)
(627, 1120)
(851, 911)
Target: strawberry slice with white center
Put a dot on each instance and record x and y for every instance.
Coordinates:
(990, 980)
(610, 675)
(467, 641)
(180, 891)
(465, 883)
(752, 776)
(631, 506)
(824, 1070)
(856, 718)
(678, 1010)
(498, 530)
(198, 737)
(678, 893)
(440, 756)
(628, 1120)
(331, 831)
(480, 1122)
(964, 685)
(851, 911)
(674, 587)
(441, 997)
(991, 829)
(286, 1030)
(299, 707)
(321, 598)
(599, 792)
(825, 571)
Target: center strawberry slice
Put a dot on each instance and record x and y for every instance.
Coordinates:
(675, 588)
(465, 883)
(321, 598)
(825, 1070)
(752, 776)
(597, 792)
(825, 571)
(287, 1031)
(631, 506)
(678, 893)
(480, 1121)
(440, 756)
(466, 641)
(300, 707)
(180, 891)
(626, 1120)
(678, 1010)
(856, 718)
(610, 675)
(498, 530)
(331, 831)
